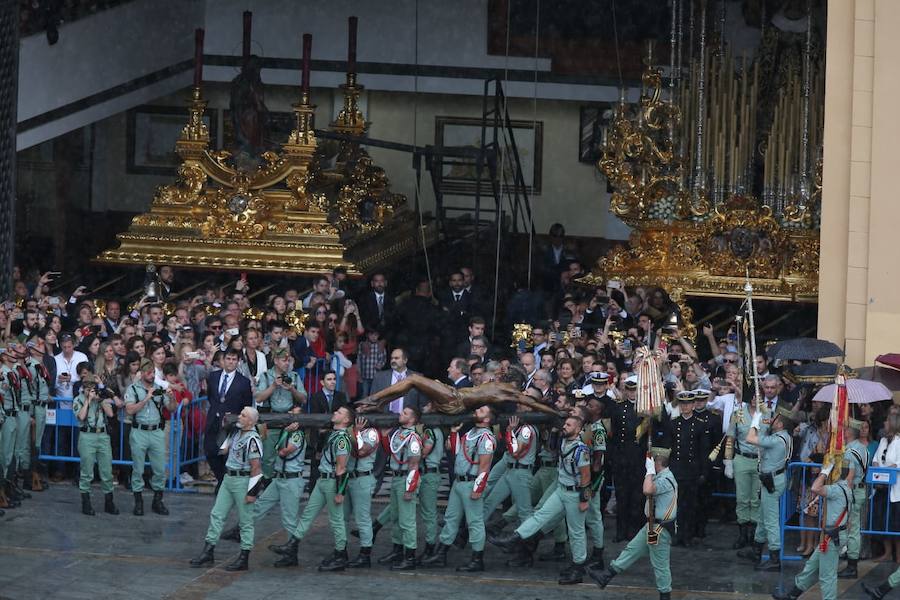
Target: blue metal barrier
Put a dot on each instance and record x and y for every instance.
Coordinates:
(186, 434)
(62, 430)
(876, 476)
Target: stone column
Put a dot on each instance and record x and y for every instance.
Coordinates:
(9, 78)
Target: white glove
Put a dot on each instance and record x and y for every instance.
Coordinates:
(754, 424)
(650, 466)
(729, 469)
(826, 469)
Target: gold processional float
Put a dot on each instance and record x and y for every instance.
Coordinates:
(285, 214)
(718, 180)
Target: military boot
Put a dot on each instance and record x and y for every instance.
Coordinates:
(285, 548)
(337, 562)
(791, 595)
(602, 577)
(596, 560)
(138, 505)
(158, 507)
(206, 556)
(476, 564)
(574, 574)
(439, 558)
(86, 508)
(557, 554)
(773, 563)
(849, 572)
(241, 563)
(743, 538)
(289, 555)
(363, 560)
(408, 563)
(877, 593)
(394, 557)
(109, 506)
(429, 550)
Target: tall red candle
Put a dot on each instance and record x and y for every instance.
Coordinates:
(198, 57)
(351, 47)
(307, 51)
(248, 26)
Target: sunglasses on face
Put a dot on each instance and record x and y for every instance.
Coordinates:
(215, 327)
(731, 360)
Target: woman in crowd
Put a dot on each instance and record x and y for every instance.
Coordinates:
(157, 354)
(253, 360)
(565, 370)
(90, 346)
(886, 507)
(136, 344)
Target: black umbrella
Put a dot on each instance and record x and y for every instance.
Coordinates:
(803, 349)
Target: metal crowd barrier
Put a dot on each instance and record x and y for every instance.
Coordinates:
(186, 433)
(61, 435)
(875, 476)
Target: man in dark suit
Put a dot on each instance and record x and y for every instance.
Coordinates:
(412, 399)
(325, 401)
(228, 392)
(458, 373)
(457, 305)
(376, 307)
(476, 329)
(555, 257)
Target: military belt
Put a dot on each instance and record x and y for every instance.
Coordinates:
(570, 488)
(355, 474)
(145, 427)
(398, 472)
(427, 470)
(237, 473)
(747, 454)
(519, 466)
(548, 463)
(281, 475)
(774, 473)
(263, 410)
(327, 476)
(11, 412)
(93, 429)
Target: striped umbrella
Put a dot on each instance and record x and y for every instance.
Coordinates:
(858, 391)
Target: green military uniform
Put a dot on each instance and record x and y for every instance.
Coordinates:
(39, 396)
(148, 438)
(9, 390)
(564, 500)
(243, 448)
(404, 444)
(593, 520)
(856, 457)
(362, 485)
(22, 453)
(281, 401)
(746, 471)
(516, 478)
(476, 443)
(543, 484)
(431, 481)
(774, 450)
(287, 479)
(93, 444)
(338, 444)
(665, 503)
(822, 565)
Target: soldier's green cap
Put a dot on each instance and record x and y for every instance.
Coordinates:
(89, 380)
(657, 452)
(280, 352)
(786, 414)
(854, 424)
(146, 364)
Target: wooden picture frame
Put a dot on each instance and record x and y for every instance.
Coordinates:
(151, 135)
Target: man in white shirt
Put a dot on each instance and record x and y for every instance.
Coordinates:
(66, 363)
(322, 286)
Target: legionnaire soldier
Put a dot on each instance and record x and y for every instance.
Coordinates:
(856, 457)
(742, 464)
(93, 413)
(22, 453)
(240, 488)
(660, 485)
(361, 487)
(522, 442)
(687, 462)
(626, 452)
(593, 520)
(144, 400)
(405, 450)
(329, 491)
(40, 400)
(775, 451)
(285, 489)
(276, 392)
(430, 467)
(473, 451)
(569, 501)
(10, 389)
(822, 565)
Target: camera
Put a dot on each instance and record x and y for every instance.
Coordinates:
(159, 392)
(674, 357)
(286, 379)
(185, 329)
(192, 355)
(95, 329)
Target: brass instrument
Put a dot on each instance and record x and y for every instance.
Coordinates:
(253, 314)
(100, 308)
(521, 337)
(169, 308)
